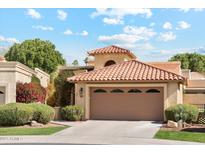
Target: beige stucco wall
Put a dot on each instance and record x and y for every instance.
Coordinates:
(78, 99)
(100, 60)
(10, 74)
(8, 82)
(172, 93)
(175, 94)
(180, 94)
(196, 83)
(2, 94)
(197, 99)
(23, 78)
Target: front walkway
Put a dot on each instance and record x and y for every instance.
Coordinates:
(98, 132)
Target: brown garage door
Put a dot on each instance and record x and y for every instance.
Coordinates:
(127, 103)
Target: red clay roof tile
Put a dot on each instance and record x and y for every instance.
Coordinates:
(174, 66)
(110, 50)
(132, 70)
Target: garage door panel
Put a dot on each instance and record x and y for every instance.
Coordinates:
(126, 106)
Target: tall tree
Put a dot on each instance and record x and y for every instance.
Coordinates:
(192, 61)
(36, 53)
(75, 63)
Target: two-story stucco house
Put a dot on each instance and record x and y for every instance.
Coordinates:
(13, 72)
(121, 87)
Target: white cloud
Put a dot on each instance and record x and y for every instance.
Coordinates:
(132, 34)
(167, 25)
(44, 28)
(152, 24)
(68, 32)
(123, 38)
(185, 10)
(120, 13)
(199, 9)
(142, 46)
(143, 33)
(183, 25)
(62, 15)
(8, 40)
(164, 54)
(33, 14)
(84, 33)
(3, 49)
(112, 21)
(167, 36)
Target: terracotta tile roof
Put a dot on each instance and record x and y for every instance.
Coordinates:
(174, 66)
(132, 70)
(110, 50)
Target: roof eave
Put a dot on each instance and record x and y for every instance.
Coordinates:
(126, 81)
(131, 55)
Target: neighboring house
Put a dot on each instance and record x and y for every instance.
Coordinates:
(194, 91)
(13, 72)
(121, 87)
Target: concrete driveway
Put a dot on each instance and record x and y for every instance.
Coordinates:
(122, 129)
(99, 132)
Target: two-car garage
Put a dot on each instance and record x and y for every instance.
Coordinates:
(131, 90)
(127, 103)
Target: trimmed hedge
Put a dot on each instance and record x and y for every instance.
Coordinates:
(184, 112)
(42, 113)
(72, 113)
(15, 114)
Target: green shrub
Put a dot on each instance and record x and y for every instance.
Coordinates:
(184, 112)
(15, 114)
(42, 113)
(72, 113)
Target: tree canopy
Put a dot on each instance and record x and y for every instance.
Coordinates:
(193, 61)
(75, 63)
(36, 53)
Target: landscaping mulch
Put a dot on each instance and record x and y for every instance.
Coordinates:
(200, 128)
(43, 126)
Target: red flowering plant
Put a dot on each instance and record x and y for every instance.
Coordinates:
(30, 92)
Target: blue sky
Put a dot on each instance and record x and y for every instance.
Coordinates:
(152, 34)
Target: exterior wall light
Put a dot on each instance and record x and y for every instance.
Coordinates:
(81, 92)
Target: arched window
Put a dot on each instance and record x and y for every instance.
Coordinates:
(1, 92)
(110, 62)
(100, 91)
(152, 91)
(134, 91)
(117, 91)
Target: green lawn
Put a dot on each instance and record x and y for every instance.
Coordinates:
(30, 131)
(182, 136)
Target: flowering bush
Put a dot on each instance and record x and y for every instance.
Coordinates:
(30, 92)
